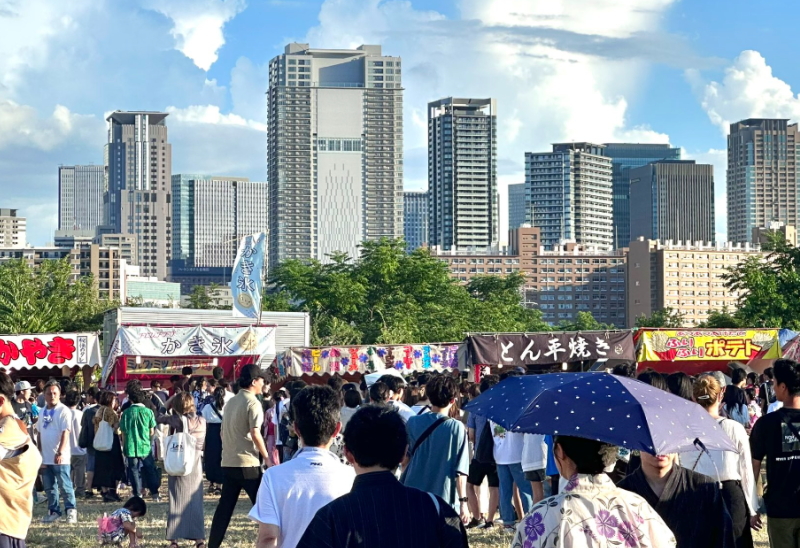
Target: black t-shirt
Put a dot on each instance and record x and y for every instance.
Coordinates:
(773, 437)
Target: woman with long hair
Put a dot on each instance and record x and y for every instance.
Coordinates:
(734, 470)
(212, 413)
(109, 467)
(185, 514)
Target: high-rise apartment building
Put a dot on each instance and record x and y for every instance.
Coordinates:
(568, 195)
(12, 229)
(763, 235)
(687, 277)
(335, 150)
(763, 180)
(625, 156)
(560, 282)
(210, 216)
(675, 201)
(415, 219)
(462, 173)
(80, 197)
(138, 170)
(516, 205)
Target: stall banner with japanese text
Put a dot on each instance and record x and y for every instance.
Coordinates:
(167, 366)
(550, 348)
(711, 344)
(169, 342)
(247, 278)
(49, 350)
(367, 359)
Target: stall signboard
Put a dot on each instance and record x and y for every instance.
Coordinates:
(367, 359)
(49, 350)
(708, 344)
(167, 366)
(549, 348)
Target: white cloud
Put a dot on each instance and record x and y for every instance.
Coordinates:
(543, 60)
(211, 114)
(197, 25)
(748, 89)
(21, 125)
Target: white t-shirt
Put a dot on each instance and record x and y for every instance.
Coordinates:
(404, 410)
(292, 493)
(75, 432)
(534, 453)
(211, 415)
(507, 445)
(228, 396)
(51, 424)
(774, 406)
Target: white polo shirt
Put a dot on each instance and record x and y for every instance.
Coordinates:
(291, 493)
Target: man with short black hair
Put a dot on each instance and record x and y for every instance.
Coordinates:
(55, 422)
(438, 449)
(397, 387)
(379, 393)
(137, 426)
(375, 444)
(776, 436)
(290, 494)
(242, 444)
(478, 471)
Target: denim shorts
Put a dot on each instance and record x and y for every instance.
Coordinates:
(89, 462)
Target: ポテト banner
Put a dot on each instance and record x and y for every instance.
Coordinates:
(708, 344)
(549, 348)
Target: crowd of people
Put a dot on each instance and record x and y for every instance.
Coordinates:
(395, 463)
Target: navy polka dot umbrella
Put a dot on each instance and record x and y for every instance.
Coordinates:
(603, 407)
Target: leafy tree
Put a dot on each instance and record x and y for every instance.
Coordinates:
(48, 298)
(723, 319)
(666, 317)
(389, 296)
(768, 289)
(584, 321)
(201, 298)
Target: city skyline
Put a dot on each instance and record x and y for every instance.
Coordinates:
(673, 72)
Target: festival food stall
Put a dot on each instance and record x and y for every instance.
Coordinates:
(545, 352)
(694, 351)
(158, 352)
(353, 361)
(45, 355)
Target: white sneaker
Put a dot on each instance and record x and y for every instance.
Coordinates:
(51, 518)
(72, 516)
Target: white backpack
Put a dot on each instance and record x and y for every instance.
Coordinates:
(180, 452)
(104, 437)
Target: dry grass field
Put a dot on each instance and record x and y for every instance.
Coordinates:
(241, 534)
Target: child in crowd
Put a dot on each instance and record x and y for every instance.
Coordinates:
(753, 405)
(122, 523)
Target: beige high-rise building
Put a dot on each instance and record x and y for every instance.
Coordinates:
(138, 163)
(762, 234)
(12, 228)
(684, 276)
(763, 184)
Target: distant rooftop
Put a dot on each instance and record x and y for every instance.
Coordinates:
(129, 116)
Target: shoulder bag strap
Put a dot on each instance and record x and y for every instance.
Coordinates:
(427, 433)
(421, 411)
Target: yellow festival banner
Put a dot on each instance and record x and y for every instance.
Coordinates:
(712, 344)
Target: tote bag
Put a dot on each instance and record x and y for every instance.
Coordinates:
(181, 452)
(104, 438)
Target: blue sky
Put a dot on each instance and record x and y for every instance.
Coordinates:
(602, 70)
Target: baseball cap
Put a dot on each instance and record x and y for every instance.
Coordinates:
(251, 372)
(22, 385)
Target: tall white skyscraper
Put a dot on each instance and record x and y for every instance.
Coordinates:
(462, 173)
(138, 162)
(335, 151)
(80, 197)
(568, 195)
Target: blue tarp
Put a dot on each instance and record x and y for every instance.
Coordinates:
(786, 335)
